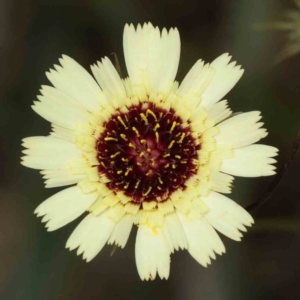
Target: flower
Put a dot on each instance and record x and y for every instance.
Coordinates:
(146, 151)
(290, 23)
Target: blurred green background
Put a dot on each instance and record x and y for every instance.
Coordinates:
(34, 264)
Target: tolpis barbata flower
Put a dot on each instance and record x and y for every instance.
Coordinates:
(146, 151)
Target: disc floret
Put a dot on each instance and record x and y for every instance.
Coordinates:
(147, 153)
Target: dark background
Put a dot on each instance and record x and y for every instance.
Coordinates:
(33, 263)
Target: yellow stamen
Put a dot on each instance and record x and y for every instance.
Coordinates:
(131, 145)
(148, 150)
(149, 111)
(173, 126)
(142, 154)
(160, 181)
(136, 131)
(114, 155)
(157, 137)
(156, 127)
(143, 141)
(119, 172)
(122, 122)
(124, 159)
(167, 165)
(137, 184)
(166, 155)
(178, 156)
(171, 144)
(123, 136)
(182, 137)
(148, 191)
(144, 118)
(127, 171)
(108, 138)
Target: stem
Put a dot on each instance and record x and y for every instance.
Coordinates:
(117, 64)
(278, 177)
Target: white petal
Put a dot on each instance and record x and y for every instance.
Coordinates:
(121, 231)
(241, 130)
(108, 77)
(151, 57)
(49, 153)
(251, 161)
(221, 182)
(203, 240)
(62, 133)
(226, 216)
(64, 207)
(174, 233)
(225, 77)
(75, 81)
(57, 107)
(218, 112)
(91, 235)
(56, 178)
(152, 254)
(197, 79)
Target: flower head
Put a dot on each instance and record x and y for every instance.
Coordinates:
(146, 151)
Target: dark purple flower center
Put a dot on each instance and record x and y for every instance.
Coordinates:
(147, 152)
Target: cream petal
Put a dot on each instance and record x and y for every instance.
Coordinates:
(121, 231)
(241, 130)
(197, 80)
(62, 133)
(174, 233)
(75, 81)
(91, 235)
(251, 161)
(217, 113)
(108, 77)
(225, 77)
(226, 216)
(151, 56)
(48, 153)
(56, 178)
(203, 240)
(152, 253)
(57, 107)
(64, 207)
(221, 182)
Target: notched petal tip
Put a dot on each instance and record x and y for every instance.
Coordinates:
(65, 57)
(24, 163)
